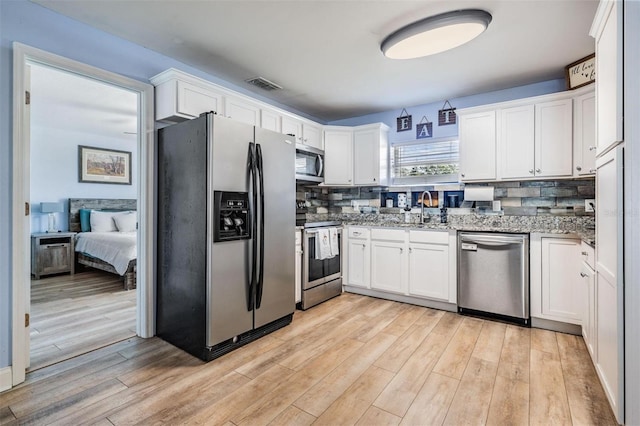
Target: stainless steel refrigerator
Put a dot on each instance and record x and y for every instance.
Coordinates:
(225, 246)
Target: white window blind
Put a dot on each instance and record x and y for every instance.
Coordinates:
(432, 161)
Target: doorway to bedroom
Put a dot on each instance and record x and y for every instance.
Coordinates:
(83, 196)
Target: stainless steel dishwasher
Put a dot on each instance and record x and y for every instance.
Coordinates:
(493, 275)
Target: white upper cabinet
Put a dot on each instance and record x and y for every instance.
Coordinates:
(584, 135)
(312, 135)
(338, 155)
(292, 126)
(356, 155)
(516, 142)
(180, 97)
(607, 31)
(239, 110)
(370, 145)
(554, 138)
(271, 120)
(477, 132)
(535, 140)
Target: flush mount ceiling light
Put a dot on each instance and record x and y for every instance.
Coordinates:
(436, 34)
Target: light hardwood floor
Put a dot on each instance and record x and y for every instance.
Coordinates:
(75, 314)
(351, 360)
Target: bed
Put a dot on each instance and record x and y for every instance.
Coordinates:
(113, 252)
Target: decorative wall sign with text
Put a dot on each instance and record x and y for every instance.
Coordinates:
(424, 129)
(581, 72)
(446, 115)
(404, 121)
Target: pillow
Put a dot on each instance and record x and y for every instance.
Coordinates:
(102, 221)
(85, 220)
(126, 222)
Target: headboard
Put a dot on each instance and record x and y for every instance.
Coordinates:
(75, 204)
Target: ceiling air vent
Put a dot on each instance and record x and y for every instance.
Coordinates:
(263, 83)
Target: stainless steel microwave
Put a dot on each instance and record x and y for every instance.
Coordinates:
(309, 164)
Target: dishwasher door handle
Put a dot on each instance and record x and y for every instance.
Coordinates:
(491, 243)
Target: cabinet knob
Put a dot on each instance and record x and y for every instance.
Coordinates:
(583, 275)
(592, 148)
(531, 171)
(462, 174)
(538, 170)
(592, 170)
(364, 246)
(374, 179)
(584, 253)
(401, 250)
(578, 168)
(305, 139)
(410, 250)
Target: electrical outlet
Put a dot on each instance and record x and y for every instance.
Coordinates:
(588, 205)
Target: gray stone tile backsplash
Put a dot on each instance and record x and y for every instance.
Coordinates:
(518, 198)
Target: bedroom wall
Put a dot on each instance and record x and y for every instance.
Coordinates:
(54, 171)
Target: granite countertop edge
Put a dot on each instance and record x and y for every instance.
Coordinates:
(586, 235)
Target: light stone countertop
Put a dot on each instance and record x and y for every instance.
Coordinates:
(580, 226)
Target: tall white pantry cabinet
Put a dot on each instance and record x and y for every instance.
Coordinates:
(607, 30)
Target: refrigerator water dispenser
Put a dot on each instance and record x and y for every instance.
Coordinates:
(232, 216)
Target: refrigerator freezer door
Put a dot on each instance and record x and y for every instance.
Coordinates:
(229, 266)
(278, 290)
(182, 236)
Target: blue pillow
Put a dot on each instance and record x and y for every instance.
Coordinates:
(85, 220)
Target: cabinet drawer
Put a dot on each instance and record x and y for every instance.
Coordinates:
(362, 233)
(588, 255)
(388, 234)
(433, 237)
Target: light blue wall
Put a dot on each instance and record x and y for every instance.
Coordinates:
(54, 171)
(430, 111)
(36, 26)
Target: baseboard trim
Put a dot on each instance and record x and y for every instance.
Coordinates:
(5, 378)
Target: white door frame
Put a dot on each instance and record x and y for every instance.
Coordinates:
(21, 273)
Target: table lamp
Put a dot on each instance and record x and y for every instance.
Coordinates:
(52, 208)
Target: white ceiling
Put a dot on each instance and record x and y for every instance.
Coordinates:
(326, 53)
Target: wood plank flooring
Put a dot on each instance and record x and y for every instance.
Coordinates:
(351, 360)
(75, 314)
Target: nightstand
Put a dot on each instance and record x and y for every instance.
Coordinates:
(52, 253)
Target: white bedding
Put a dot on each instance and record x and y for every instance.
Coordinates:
(116, 248)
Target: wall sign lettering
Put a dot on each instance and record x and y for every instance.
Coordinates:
(581, 72)
(424, 129)
(404, 121)
(446, 115)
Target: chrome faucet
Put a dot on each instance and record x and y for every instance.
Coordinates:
(422, 204)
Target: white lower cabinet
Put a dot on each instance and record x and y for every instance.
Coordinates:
(429, 270)
(589, 308)
(358, 266)
(413, 264)
(557, 292)
(388, 266)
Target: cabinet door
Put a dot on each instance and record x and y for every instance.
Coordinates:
(554, 138)
(588, 308)
(292, 126)
(312, 135)
(194, 100)
(429, 271)
(366, 149)
(388, 266)
(516, 142)
(609, 108)
(242, 111)
(584, 135)
(478, 146)
(270, 120)
(562, 292)
(338, 157)
(359, 263)
(608, 335)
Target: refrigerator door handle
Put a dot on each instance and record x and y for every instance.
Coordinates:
(253, 200)
(260, 224)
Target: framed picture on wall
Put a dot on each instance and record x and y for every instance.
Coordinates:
(100, 165)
